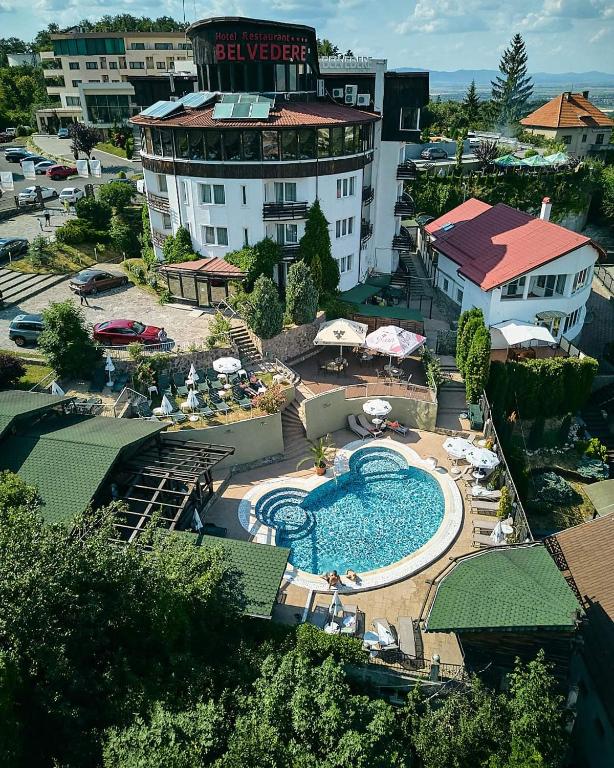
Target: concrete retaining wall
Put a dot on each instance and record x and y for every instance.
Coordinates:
(202, 358)
(329, 411)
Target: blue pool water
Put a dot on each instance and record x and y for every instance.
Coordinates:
(377, 513)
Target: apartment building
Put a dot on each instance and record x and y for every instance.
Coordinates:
(106, 77)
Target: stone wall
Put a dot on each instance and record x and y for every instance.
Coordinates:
(292, 342)
(201, 358)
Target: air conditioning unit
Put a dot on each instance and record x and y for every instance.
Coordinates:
(351, 92)
(321, 88)
(337, 93)
(363, 99)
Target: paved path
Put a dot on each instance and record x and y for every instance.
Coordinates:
(184, 326)
(600, 330)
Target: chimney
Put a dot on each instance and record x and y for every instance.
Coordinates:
(567, 95)
(585, 94)
(546, 208)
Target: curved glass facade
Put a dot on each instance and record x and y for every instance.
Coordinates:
(258, 145)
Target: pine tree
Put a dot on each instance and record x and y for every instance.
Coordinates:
(264, 312)
(471, 104)
(316, 242)
(301, 294)
(512, 90)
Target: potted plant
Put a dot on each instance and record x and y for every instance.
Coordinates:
(321, 451)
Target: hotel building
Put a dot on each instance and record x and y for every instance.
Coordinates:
(270, 130)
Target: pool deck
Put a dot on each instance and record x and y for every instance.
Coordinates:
(402, 598)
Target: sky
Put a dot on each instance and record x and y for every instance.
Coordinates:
(561, 35)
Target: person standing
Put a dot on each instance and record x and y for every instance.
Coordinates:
(83, 297)
(47, 218)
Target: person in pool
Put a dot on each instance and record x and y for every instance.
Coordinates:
(333, 579)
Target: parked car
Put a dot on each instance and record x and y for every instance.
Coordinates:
(11, 131)
(5, 137)
(63, 133)
(28, 195)
(17, 154)
(12, 246)
(32, 159)
(40, 168)
(433, 153)
(58, 172)
(94, 281)
(128, 331)
(71, 194)
(25, 329)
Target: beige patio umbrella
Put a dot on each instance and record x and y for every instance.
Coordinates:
(345, 333)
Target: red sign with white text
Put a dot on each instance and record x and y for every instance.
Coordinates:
(259, 46)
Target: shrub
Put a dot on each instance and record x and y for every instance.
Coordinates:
(95, 212)
(256, 260)
(536, 435)
(592, 469)
(469, 321)
(270, 401)
(135, 351)
(477, 364)
(144, 376)
(66, 343)
(116, 194)
(530, 152)
(334, 307)
(121, 175)
(301, 295)
(432, 368)
(552, 489)
(39, 251)
(129, 147)
(74, 232)
(11, 370)
(178, 247)
(264, 311)
(123, 237)
(563, 436)
(596, 450)
(316, 645)
(219, 332)
(505, 504)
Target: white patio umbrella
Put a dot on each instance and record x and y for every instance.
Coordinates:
(377, 408)
(192, 400)
(482, 458)
(345, 333)
(165, 406)
(193, 377)
(56, 389)
(110, 368)
(394, 341)
(226, 365)
(457, 447)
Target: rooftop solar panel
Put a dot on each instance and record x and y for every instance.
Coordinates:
(162, 109)
(150, 110)
(241, 110)
(248, 98)
(195, 100)
(222, 111)
(230, 98)
(260, 111)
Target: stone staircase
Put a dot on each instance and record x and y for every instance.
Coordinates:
(411, 269)
(246, 349)
(295, 443)
(601, 401)
(20, 286)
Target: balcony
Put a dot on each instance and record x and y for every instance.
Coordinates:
(289, 252)
(404, 206)
(158, 203)
(402, 241)
(158, 238)
(54, 82)
(366, 231)
(367, 195)
(407, 170)
(284, 211)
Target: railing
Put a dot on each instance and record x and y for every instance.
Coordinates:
(289, 252)
(288, 210)
(570, 349)
(158, 238)
(123, 352)
(404, 206)
(407, 170)
(366, 231)
(521, 524)
(158, 203)
(391, 389)
(367, 195)
(422, 668)
(605, 276)
(127, 396)
(402, 242)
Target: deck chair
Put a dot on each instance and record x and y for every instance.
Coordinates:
(488, 525)
(182, 390)
(407, 636)
(242, 401)
(348, 621)
(395, 426)
(482, 540)
(356, 429)
(220, 407)
(387, 635)
(491, 507)
(206, 411)
(362, 420)
(213, 380)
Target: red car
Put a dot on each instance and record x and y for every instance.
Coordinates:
(128, 331)
(57, 172)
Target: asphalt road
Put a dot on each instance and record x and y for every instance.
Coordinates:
(111, 166)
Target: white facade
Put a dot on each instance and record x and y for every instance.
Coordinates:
(527, 296)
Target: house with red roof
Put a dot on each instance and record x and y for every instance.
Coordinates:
(572, 119)
(510, 264)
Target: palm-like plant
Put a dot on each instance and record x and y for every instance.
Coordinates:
(320, 452)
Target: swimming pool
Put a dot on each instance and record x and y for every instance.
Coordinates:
(377, 513)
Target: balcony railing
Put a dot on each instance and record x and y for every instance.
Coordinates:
(160, 204)
(403, 241)
(284, 211)
(158, 238)
(366, 230)
(407, 170)
(404, 206)
(367, 195)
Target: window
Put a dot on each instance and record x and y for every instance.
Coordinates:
(584, 137)
(289, 145)
(566, 139)
(410, 119)
(161, 179)
(73, 101)
(446, 284)
(185, 192)
(107, 108)
(599, 138)
(306, 144)
(91, 65)
(160, 65)
(163, 46)
(105, 78)
(166, 221)
(73, 65)
(212, 194)
(285, 192)
(580, 280)
(346, 187)
(75, 83)
(336, 141)
(323, 142)
(215, 235)
(196, 145)
(571, 320)
(181, 143)
(514, 289)
(137, 46)
(251, 145)
(344, 227)
(459, 295)
(137, 65)
(88, 46)
(232, 145)
(245, 236)
(270, 145)
(546, 286)
(213, 142)
(112, 65)
(342, 264)
(286, 234)
(243, 195)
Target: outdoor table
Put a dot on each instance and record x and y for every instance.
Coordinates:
(332, 628)
(393, 370)
(478, 474)
(277, 378)
(194, 418)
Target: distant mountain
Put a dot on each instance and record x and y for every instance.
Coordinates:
(482, 77)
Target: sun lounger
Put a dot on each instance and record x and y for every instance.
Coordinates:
(362, 420)
(485, 506)
(205, 411)
(485, 494)
(220, 407)
(213, 379)
(488, 525)
(182, 390)
(396, 427)
(407, 636)
(349, 620)
(482, 540)
(319, 616)
(356, 429)
(462, 475)
(386, 634)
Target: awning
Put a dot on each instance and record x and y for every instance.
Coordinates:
(550, 314)
(359, 294)
(511, 333)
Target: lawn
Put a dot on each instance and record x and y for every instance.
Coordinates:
(562, 517)
(68, 259)
(111, 149)
(34, 373)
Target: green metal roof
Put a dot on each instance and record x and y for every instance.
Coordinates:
(516, 588)
(393, 313)
(67, 458)
(261, 567)
(360, 293)
(15, 404)
(601, 495)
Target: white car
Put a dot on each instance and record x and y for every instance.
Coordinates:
(41, 168)
(71, 194)
(28, 195)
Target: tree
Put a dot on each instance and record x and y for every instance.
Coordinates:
(117, 194)
(10, 45)
(301, 294)
(123, 237)
(486, 153)
(11, 370)
(458, 159)
(477, 364)
(97, 213)
(256, 260)
(326, 48)
(316, 241)
(469, 320)
(264, 311)
(177, 248)
(84, 139)
(39, 251)
(42, 41)
(471, 104)
(65, 341)
(513, 88)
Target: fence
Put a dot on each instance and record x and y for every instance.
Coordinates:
(391, 389)
(521, 524)
(605, 273)
(123, 352)
(570, 349)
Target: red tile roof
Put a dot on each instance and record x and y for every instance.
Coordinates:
(494, 244)
(208, 266)
(286, 116)
(568, 110)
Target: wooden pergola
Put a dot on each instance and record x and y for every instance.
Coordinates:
(168, 480)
